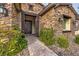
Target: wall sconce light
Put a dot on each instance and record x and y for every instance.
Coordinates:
(60, 19)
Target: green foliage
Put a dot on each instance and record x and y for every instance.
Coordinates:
(16, 27)
(46, 36)
(16, 42)
(63, 41)
(77, 39)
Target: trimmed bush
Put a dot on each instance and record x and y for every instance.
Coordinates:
(77, 39)
(63, 41)
(46, 36)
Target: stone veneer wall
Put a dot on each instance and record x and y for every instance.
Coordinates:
(36, 7)
(16, 16)
(6, 22)
(50, 19)
(77, 25)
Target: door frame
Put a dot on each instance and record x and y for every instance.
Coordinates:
(36, 22)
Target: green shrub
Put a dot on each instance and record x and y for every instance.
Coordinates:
(63, 41)
(77, 39)
(46, 36)
(16, 43)
(3, 50)
(15, 27)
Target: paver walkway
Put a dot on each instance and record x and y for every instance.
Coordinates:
(37, 48)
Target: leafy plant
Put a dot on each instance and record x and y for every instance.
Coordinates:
(63, 41)
(77, 39)
(15, 27)
(16, 42)
(46, 36)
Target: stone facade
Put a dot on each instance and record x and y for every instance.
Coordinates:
(77, 23)
(5, 22)
(77, 26)
(25, 8)
(51, 19)
(14, 17)
(36, 7)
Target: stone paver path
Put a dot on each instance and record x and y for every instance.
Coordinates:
(24, 52)
(37, 48)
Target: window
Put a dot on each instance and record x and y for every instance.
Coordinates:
(76, 22)
(3, 10)
(66, 23)
(1, 5)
